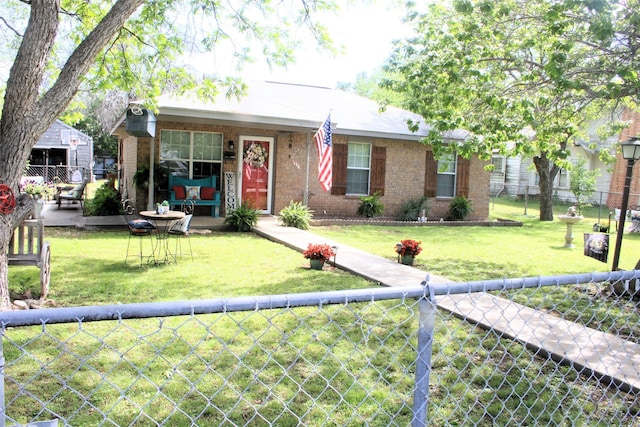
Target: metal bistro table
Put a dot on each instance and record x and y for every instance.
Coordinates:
(163, 222)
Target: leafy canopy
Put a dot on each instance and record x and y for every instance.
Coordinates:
(521, 76)
(156, 50)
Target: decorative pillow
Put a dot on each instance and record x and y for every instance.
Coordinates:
(179, 190)
(75, 191)
(207, 193)
(181, 226)
(140, 226)
(193, 192)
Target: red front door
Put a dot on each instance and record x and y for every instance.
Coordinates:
(256, 160)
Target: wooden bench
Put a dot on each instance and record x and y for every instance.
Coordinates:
(206, 193)
(71, 193)
(28, 247)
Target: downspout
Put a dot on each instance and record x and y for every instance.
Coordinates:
(305, 198)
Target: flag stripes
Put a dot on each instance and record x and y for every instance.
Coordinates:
(323, 143)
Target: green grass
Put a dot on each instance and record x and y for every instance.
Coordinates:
(266, 365)
(481, 253)
(88, 268)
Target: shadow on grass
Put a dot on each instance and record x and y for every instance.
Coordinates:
(473, 270)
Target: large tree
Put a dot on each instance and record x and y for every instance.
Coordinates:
(523, 77)
(139, 46)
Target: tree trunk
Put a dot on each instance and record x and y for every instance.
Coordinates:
(27, 113)
(547, 172)
(8, 223)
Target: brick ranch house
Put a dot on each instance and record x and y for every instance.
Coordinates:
(373, 152)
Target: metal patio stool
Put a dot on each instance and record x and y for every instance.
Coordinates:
(138, 229)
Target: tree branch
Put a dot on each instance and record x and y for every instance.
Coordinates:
(17, 33)
(81, 60)
(28, 68)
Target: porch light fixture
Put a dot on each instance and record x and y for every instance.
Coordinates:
(231, 145)
(631, 153)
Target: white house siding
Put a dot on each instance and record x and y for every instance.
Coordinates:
(56, 138)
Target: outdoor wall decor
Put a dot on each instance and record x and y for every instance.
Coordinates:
(7, 200)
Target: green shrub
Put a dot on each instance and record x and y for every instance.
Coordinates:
(370, 206)
(106, 201)
(296, 215)
(459, 208)
(411, 209)
(242, 218)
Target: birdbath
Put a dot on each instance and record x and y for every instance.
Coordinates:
(569, 220)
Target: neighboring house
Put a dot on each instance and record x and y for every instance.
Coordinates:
(373, 152)
(516, 176)
(620, 169)
(63, 152)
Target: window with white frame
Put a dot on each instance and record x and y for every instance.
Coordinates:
(358, 168)
(191, 154)
(446, 176)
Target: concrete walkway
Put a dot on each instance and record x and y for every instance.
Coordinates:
(604, 355)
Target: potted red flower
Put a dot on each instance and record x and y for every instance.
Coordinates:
(318, 253)
(407, 250)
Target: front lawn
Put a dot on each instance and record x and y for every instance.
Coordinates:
(480, 253)
(350, 363)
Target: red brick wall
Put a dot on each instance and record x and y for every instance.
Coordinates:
(404, 180)
(620, 168)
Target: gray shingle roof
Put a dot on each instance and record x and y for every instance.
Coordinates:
(294, 107)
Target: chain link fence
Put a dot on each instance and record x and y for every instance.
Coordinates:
(59, 174)
(546, 351)
(605, 201)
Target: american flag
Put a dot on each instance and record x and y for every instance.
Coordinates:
(323, 142)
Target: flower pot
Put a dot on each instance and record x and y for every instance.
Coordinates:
(316, 264)
(407, 259)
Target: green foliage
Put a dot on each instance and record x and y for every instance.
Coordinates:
(582, 183)
(411, 209)
(296, 215)
(370, 206)
(141, 176)
(519, 87)
(459, 208)
(104, 144)
(242, 218)
(106, 201)
(369, 86)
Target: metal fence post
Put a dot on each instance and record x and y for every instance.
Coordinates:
(426, 307)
